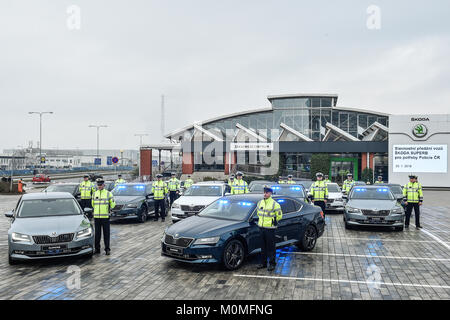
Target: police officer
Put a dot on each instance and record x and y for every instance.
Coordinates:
(102, 202)
(188, 182)
(413, 197)
(87, 189)
(269, 213)
(379, 180)
(349, 183)
(319, 192)
(231, 180)
(159, 190)
(240, 186)
(174, 188)
(325, 178)
(290, 181)
(280, 180)
(119, 180)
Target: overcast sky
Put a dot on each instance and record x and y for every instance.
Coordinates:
(209, 58)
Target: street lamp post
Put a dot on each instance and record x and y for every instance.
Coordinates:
(98, 134)
(40, 113)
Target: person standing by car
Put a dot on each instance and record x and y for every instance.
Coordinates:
(159, 190)
(20, 185)
(280, 180)
(269, 213)
(231, 180)
(119, 180)
(325, 178)
(319, 192)
(87, 189)
(240, 186)
(188, 182)
(103, 203)
(174, 187)
(379, 180)
(348, 184)
(413, 197)
(289, 180)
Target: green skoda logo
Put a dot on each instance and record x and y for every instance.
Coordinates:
(420, 130)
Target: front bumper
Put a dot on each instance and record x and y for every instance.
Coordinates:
(20, 251)
(124, 213)
(193, 253)
(392, 220)
(335, 205)
(178, 214)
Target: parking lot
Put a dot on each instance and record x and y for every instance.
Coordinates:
(365, 263)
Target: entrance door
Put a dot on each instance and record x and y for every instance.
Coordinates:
(341, 166)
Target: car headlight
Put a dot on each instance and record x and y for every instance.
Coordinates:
(212, 240)
(19, 237)
(131, 205)
(353, 210)
(175, 206)
(84, 233)
(398, 210)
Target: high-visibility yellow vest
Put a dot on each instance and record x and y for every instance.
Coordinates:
(230, 183)
(327, 181)
(86, 188)
(119, 181)
(173, 184)
(412, 192)
(290, 182)
(102, 203)
(188, 183)
(379, 181)
(239, 187)
(281, 181)
(269, 213)
(159, 189)
(319, 191)
(348, 185)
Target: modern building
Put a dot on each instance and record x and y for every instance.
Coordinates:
(294, 128)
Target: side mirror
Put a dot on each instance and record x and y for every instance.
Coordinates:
(87, 210)
(227, 193)
(9, 214)
(400, 199)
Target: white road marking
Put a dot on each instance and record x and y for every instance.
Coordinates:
(379, 239)
(435, 238)
(345, 281)
(364, 256)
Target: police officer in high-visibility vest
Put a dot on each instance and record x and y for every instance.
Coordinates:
(325, 178)
(119, 180)
(240, 186)
(379, 180)
(289, 180)
(87, 189)
(188, 182)
(174, 188)
(231, 180)
(413, 197)
(280, 180)
(348, 184)
(102, 203)
(159, 190)
(319, 192)
(269, 214)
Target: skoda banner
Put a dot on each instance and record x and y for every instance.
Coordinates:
(420, 158)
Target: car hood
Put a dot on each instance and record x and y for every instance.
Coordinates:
(334, 195)
(198, 227)
(372, 204)
(128, 199)
(47, 225)
(195, 200)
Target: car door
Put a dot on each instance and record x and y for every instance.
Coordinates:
(149, 199)
(286, 226)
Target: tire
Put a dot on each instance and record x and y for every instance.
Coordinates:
(233, 255)
(399, 228)
(309, 240)
(11, 261)
(347, 226)
(143, 216)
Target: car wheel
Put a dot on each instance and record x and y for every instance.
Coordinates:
(12, 261)
(309, 239)
(233, 255)
(143, 216)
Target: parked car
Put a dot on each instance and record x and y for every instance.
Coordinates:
(227, 230)
(47, 225)
(72, 188)
(41, 178)
(197, 197)
(306, 184)
(109, 185)
(134, 201)
(335, 197)
(293, 190)
(258, 185)
(397, 190)
(373, 206)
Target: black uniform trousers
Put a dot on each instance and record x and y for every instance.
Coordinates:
(322, 205)
(267, 246)
(173, 196)
(408, 212)
(102, 223)
(160, 205)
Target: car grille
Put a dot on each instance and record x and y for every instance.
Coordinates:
(195, 209)
(118, 207)
(376, 212)
(66, 237)
(330, 200)
(180, 242)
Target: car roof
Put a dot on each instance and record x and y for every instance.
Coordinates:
(254, 196)
(64, 184)
(134, 183)
(370, 186)
(47, 195)
(209, 182)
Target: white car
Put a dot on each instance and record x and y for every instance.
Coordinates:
(197, 197)
(335, 201)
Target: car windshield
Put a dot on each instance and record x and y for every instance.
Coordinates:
(257, 187)
(129, 190)
(333, 188)
(229, 209)
(204, 191)
(48, 208)
(396, 190)
(60, 188)
(295, 191)
(381, 193)
(306, 183)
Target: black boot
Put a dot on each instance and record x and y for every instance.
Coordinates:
(108, 252)
(271, 267)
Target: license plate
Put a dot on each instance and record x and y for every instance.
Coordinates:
(54, 251)
(376, 219)
(174, 250)
(57, 247)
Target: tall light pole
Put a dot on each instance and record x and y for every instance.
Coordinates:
(98, 134)
(40, 113)
(140, 135)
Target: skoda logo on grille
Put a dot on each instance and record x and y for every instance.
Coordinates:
(54, 234)
(176, 236)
